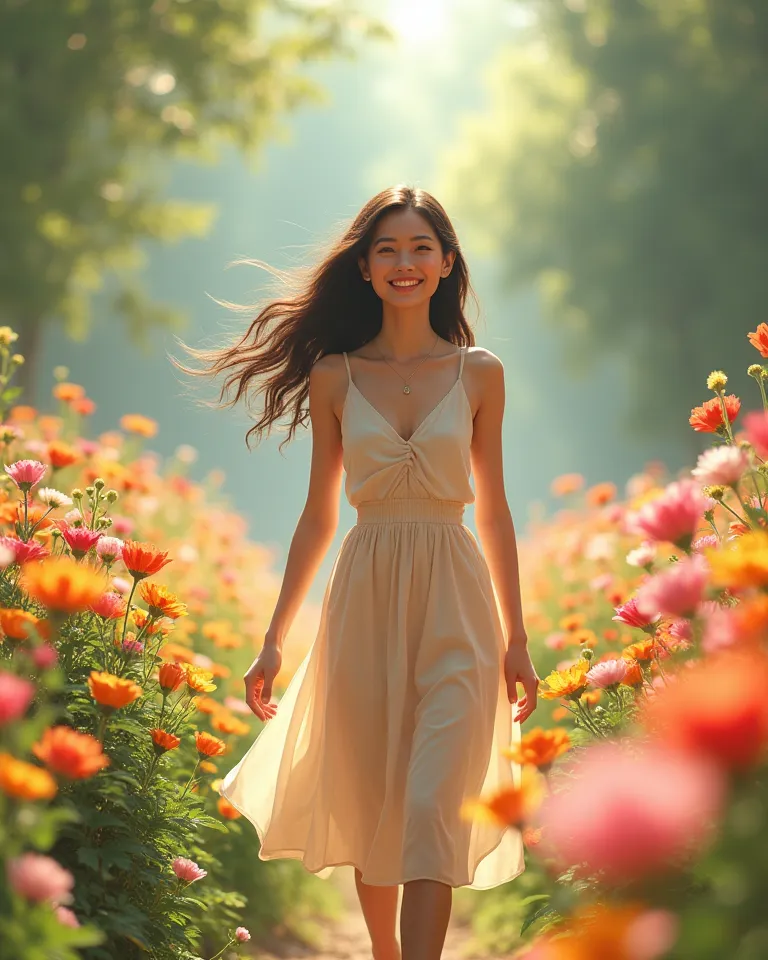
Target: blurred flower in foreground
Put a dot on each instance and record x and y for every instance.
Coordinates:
(744, 563)
(721, 465)
(676, 591)
(673, 516)
(37, 877)
(539, 747)
(512, 805)
(62, 584)
(627, 810)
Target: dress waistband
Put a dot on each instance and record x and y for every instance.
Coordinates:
(407, 510)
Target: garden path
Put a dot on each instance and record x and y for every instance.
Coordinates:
(347, 938)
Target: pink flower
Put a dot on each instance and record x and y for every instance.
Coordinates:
(24, 551)
(79, 539)
(6, 556)
(236, 705)
(556, 641)
(607, 673)
(45, 656)
(642, 556)
(724, 464)
(109, 549)
(123, 525)
(130, 645)
(631, 809)
(672, 516)
(15, 696)
(66, 916)
(121, 585)
(242, 934)
(676, 591)
(756, 426)
(681, 629)
(188, 870)
(705, 542)
(720, 630)
(110, 605)
(26, 473)
(37, 877)
(630, 614)
(87, 447)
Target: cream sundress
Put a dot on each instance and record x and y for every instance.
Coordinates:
(399, 710)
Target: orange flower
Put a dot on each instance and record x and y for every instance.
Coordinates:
(62, 584)
(634, 675)
(18, 624)
(207, 767)
(602, 932)
(584, 636)
(708, 418)
(560, 713)
(539, 747)
(111, 691)
(143, 621)
(138, 424)
(84, 406)
(71, 753)
(143, 559)
(226, 809)
(717, 707)
(566, 683)
(208, 745)
(759, 339)
(219, 670)
(645, 649)
(591, 697)
(61, 454)
(601, 494)
(743, 564)
(22, 414)
(25, 781)
(207, 704)
(199, 679)
(170, 676)
(68, 391)
(49, 426)
(161, 602)
(225, 722)
(163, 740)
(175, 651)
(511, 805)
(751, 616)
(573, 621)
(567, 483)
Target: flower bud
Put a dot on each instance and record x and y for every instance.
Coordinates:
(90, 491)
(716, 381)
(99, 484)
(112, 496)
(7, 336)
(61, 372)
(587, 653)
(764, 374)
(77, 494)
(716, 491)
(754, 370)
(17, 359)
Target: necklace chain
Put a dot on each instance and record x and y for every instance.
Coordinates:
(406, 388)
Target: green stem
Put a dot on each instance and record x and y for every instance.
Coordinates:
(726, 421)
(228, 944)
(762, 392)
(731, 510)
(191, 778)
(128, 609)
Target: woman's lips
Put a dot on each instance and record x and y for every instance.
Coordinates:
(405, 286)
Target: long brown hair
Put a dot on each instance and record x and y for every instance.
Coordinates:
(330, 308)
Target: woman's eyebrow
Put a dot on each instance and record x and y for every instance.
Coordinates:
(421, 236)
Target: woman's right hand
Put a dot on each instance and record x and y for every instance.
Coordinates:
(259, 680)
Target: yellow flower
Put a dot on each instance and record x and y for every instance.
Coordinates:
(743, 564)
(716, 381)
(566, 683)
(199, 679)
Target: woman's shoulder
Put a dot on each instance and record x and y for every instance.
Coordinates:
(327, 369)
(480, 358)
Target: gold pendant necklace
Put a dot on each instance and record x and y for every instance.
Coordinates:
(406, 388)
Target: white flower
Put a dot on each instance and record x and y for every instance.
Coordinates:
(643, 555)
(721, 465)
(54, 498)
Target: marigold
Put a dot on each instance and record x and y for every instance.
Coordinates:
(539, 747)
(573, 621)
(163, 740)
(143, 559)
(18, 624)
(62, 455)
(25, 781)
(225, 722)
(176, 652)
(71, 753)
(634, 675)
(170, 676)
(566, 683)
(111, 691)
(510, 806)
(743, 564)
(207, 766)
(226, 809)
(209, 746)
(641, 650)
(161, 602)
(207, 704)
(584, 636)
(199, 679)
(62, 584)
(138, 424)
(708, 418)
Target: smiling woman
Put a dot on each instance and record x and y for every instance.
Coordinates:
(419, 23)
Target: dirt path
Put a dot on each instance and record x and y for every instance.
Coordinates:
(348, 938)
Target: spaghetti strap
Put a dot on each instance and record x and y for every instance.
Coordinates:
(346, 360)
(462, 351)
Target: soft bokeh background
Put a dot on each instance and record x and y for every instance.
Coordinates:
(608, 149)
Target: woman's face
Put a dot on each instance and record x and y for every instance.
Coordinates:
(405, 263)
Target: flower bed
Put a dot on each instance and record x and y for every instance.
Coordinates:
(131, 602)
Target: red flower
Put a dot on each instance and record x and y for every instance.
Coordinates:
(709, 417)
(143, 559)
(78, 539)
(759, 339)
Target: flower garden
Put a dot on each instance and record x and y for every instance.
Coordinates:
(132, 601)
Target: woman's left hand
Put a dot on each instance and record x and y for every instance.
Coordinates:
(519, 669)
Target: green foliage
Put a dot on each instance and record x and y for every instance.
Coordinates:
(96, 97)
(621, 166)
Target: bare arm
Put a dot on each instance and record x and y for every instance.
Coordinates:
(495, 527)
(314, 532)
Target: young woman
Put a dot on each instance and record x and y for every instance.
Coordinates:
(400, 710)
